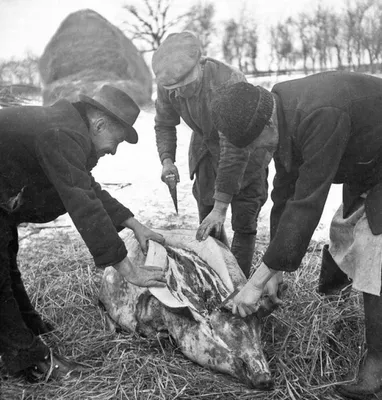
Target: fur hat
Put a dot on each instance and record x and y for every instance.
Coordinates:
(174, 63)
(240, 111)
(117, 104)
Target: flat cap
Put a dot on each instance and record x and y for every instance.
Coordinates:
(176, 58)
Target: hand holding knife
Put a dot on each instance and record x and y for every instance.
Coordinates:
(229, 297)
(171, 182)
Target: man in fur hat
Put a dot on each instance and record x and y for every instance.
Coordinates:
(186, 82)
(46, 155)
(323, 129)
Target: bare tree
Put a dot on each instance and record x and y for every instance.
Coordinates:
(23, 71)
(252, 46)
(230, 34)
(372, 34)
(281, 42)
(354, 14)
(200, 21)
(151, 24)
(274, 43)
(304, 24)
(240, 42)
(322, 35)
(335, 30)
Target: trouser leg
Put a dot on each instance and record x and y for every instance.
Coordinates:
(370, 372)
(373, 323)
(30, 316)
(246, 206)
(19, 347)
(18, 288)
(243, 248)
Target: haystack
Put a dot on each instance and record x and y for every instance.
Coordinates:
(86, 52)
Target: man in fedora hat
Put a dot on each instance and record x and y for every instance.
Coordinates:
(323, 129)
(186, 83)
(46, 155)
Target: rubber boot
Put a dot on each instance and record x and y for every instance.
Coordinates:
(369, 381)
(243, 247)
(332, 279)
(54, 367)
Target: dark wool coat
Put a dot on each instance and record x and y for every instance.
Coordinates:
(330, 128)
(46, 156)
(196, 113)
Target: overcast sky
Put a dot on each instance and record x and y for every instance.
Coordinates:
(27, 25)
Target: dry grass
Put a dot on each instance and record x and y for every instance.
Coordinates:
(310, 342)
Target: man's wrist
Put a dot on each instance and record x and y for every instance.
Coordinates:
(221, 196)
(131, 223)
(261, 276)
(221, 206)
(167, 161)
(124, 267)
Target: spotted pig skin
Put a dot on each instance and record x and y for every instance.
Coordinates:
(200, 275)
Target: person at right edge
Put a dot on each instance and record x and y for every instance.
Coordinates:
(323, 129)
(185, 84)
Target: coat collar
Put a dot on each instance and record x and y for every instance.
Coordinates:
(78, 112)
(81, 109)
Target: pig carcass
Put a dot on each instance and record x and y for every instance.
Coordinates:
(200, 275)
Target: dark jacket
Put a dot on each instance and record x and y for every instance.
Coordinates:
(330, 128)
(196, 113)
(46, 156)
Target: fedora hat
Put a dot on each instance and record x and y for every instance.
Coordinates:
(117, 104)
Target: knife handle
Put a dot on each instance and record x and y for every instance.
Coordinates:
(171, 181)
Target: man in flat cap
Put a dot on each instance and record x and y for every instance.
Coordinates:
(46, 155)
(323, 129)
(186, 82)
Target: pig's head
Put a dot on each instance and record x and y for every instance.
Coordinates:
(223, 342)
(243, 339)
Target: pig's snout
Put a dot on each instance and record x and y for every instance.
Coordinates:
(262, 381)
(254, 378)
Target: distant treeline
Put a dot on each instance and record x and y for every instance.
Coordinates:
(312, 41)
(24, 72)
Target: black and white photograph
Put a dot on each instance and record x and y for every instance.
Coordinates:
(190, 200)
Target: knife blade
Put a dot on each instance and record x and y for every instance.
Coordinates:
(229, 297)
(171, 183)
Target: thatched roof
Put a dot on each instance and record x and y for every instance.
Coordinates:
(88, 51)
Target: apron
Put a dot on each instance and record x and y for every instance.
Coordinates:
(355, 249)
